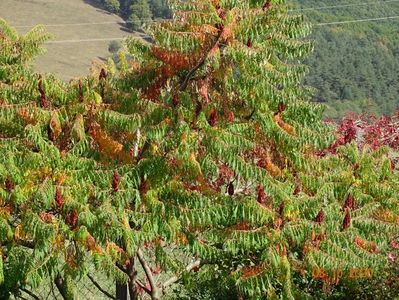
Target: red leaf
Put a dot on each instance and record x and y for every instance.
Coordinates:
(116, 180)
(347, 220)
(266, 6)
(103, 75)
(395, 244)
(9, 184)
(59, 200)
(175, 100)
(320, 217)
(72, 219)
(230, 189)
(349, 202)
(213, 118)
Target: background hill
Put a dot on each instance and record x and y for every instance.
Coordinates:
(354, 66)
(69, 53)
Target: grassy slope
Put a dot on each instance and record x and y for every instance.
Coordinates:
(357, 63)
(66, 60)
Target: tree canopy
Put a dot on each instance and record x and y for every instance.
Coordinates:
(354, 66)
(204, 143)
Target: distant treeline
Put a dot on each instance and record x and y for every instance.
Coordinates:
(138, 12)
(355, 67)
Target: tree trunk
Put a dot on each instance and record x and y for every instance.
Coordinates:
(122, 292)
(132, 273)
(62, 287)
(128, 291)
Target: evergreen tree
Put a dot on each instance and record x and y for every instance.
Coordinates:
(112, 5)
(140, 14)
(160, 9)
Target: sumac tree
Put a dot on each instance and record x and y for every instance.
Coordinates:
(206, 145)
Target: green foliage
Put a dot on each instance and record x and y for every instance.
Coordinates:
(160, 9)
(137, 12)
(134, 22)
(114, 46)
(205, 143)
(112, 5)
(354, 62)
(19, 49)
(140, 14)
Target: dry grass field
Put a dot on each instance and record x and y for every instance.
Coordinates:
(69, 58)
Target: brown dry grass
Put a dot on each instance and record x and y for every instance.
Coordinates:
(66, 60)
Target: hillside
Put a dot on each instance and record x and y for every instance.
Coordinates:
(72, 58)
(354, 66)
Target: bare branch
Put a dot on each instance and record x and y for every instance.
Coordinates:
(25, 243)
(147, 270)
(100, 288)
(30, 293)
(60, 284)
(142, 285)
(177, 277)
(123, 269)
(184, 84)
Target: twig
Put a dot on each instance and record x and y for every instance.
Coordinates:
(100, 288)
(30, 294)
(183, 86)
(124, 270)
(52, 290)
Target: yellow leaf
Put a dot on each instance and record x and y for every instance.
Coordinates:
(55, 125)
(78, 129)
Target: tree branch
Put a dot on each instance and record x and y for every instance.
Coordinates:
(184, 84)
(30, 294)
(147, 271)
(27, 244)
(142, 285)
(60, 284)
(177, 277)
(100, 288)
(124, 270)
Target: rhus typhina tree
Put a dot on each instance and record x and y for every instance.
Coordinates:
(213, 141)
(72, 196)
(42, 145)
(232, 140)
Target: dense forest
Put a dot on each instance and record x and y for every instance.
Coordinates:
(354, 66)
